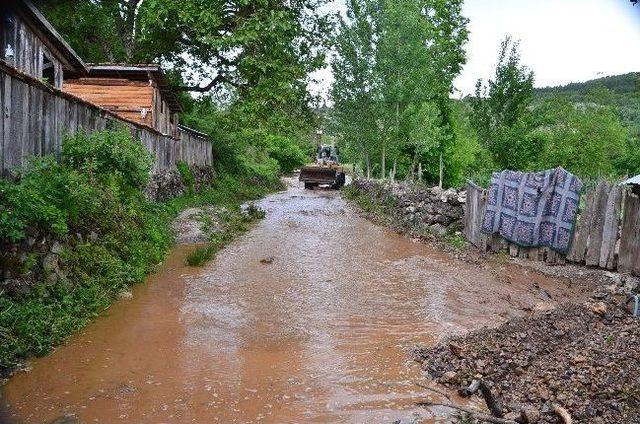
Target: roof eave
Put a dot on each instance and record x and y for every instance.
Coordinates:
(65, 49)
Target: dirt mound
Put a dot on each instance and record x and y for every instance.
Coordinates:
(584, 358)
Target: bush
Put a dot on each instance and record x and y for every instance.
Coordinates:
(286, 151)
(109, 154)
(186, 175)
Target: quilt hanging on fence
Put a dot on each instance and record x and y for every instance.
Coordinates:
(533, 209)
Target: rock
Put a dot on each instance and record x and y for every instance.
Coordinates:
(56, 248)
(448, 377)
(411, 209)
(456, 349)
(66, 419)
(267, 261)
(93, 236)
(530, 415)
(511, 416)
(544, 306)
(50, 263)
(125, 295)
(438, 230)
(598, 308)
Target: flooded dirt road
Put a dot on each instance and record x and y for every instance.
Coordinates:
(319, 335)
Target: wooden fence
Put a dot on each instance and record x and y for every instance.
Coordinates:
(607, 233)
(36, 117)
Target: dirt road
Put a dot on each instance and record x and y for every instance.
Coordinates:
(320, 334)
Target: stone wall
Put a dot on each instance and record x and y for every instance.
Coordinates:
(168, 183)
(39, 257)
(415, 206)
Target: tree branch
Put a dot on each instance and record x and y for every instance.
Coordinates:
(219, 79)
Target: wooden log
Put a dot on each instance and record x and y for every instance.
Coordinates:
(599, 210)
(581, 235)
(611, 228)
(629, 255)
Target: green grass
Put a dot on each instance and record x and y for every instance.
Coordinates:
(234, 223)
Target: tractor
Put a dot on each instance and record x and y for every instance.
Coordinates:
(326, 171)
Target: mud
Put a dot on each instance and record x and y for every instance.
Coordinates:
(319, 332)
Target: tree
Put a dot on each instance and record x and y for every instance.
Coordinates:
(587, 139)
(355, 89)
(502, 111)
(394, 68)
(419, 53)
(225, 43)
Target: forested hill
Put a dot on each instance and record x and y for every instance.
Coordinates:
(624, 84)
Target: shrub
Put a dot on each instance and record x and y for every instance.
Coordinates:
(187, 176)
(109, 154)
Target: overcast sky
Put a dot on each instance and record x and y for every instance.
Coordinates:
(561, 40)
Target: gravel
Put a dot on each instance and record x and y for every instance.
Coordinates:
(582, 357)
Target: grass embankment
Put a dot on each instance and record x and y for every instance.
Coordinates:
(234, 222)
(91, 204)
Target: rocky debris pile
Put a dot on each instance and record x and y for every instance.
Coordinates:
(417, 207)
(584, 358)
(195, 225)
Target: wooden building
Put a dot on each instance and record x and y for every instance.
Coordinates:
(139, 93)
(31, 45)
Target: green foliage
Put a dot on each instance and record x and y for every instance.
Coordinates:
(394, 70)
(501, 111)
(252, 148)
(587, 139)
(233, 223)
(186, 175)
(267, 47)
(108, 155)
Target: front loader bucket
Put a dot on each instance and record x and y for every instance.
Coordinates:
(317, 175)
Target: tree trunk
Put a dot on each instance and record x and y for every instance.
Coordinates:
(441, 171)
(420, 171)
(393, 172)
(368, 161)
(384, 166)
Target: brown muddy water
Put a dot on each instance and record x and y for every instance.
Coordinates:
(320, 335)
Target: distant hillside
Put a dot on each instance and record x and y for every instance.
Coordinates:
(626, 96)
(619, 84)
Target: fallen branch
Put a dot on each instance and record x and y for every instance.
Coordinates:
(474, 414)
(493, 404)
(563, 413)
(440, 392)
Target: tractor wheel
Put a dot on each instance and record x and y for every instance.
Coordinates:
(340, 180)
(309, 186)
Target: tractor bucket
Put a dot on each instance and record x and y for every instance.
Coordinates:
(317, 175)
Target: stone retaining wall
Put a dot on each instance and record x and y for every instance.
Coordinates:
(416, 206)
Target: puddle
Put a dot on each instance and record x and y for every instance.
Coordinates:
(320, 334)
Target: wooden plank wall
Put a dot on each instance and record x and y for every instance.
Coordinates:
(607, 233)
(35, 119)
(29, 51)
(122, 97)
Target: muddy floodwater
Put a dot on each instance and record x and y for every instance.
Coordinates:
(318, 335)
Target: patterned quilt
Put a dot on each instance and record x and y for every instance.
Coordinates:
(533, 209)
